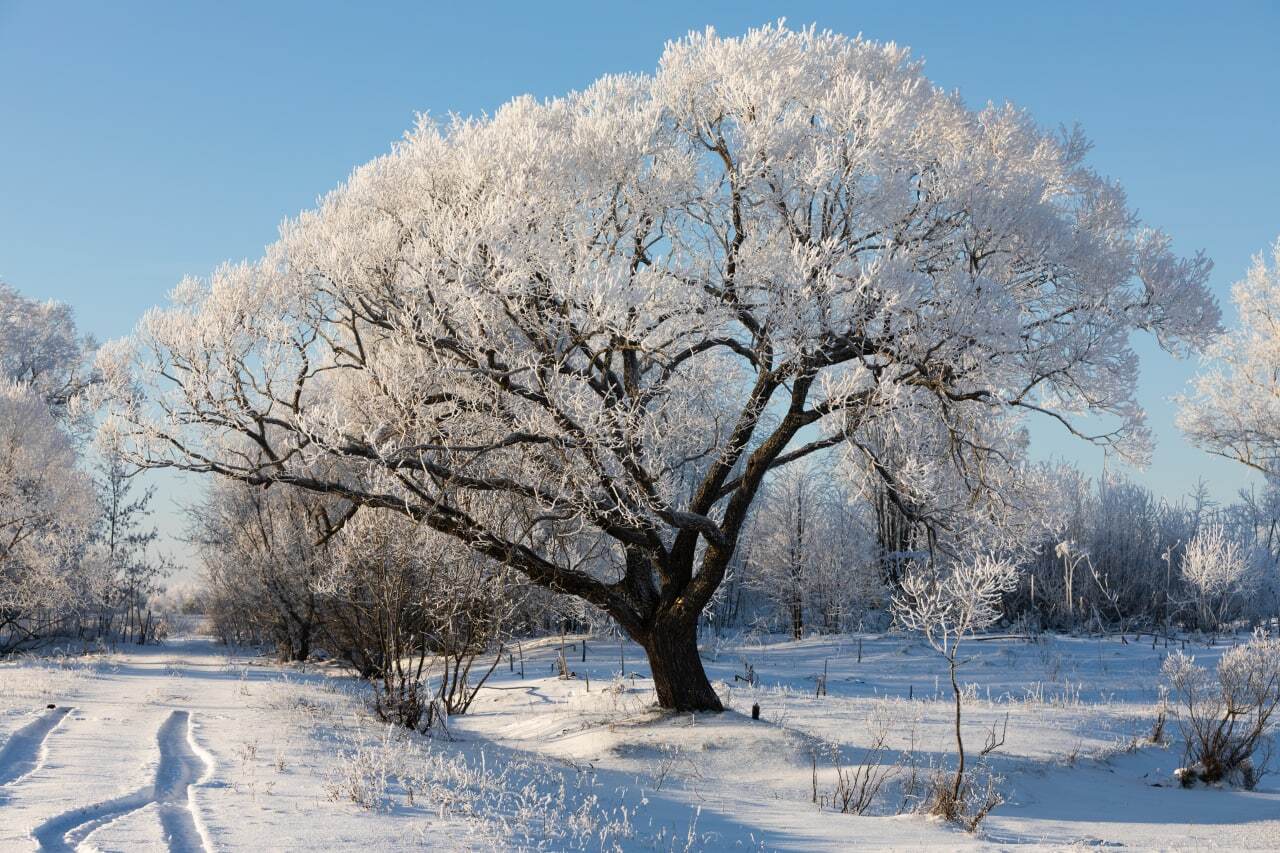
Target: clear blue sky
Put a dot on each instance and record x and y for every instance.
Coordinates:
(143, 141)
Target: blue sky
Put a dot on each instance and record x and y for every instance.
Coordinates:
(143, 141)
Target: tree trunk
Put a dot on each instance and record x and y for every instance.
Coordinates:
(955, 691)
(678, 676)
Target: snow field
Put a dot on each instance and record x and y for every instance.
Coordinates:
(183, 747)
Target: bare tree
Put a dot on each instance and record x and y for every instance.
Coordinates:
(262, 553)
(948, 606)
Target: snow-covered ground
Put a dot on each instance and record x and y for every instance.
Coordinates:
(187, 747)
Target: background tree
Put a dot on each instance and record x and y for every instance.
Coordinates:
(1217, 571)
(263, 552)
(48, 578)
(47, 511)
(41, 348)
(1234, 410)
(811, 550)
(575, 309)
(133, 570)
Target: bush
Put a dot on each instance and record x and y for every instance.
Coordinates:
(1225, 716)
(966, 804)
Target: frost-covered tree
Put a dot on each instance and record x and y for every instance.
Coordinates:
(41, 348)
(133, 569)
(574, 309)
(47, 505)
(790, 539)
(1235, 408)
(1218, 571)
(47, 510)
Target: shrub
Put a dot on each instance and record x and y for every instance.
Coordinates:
(1225, 716)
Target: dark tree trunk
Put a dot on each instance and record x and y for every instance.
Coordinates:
(678, 676)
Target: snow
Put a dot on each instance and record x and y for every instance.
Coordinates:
(191, 746)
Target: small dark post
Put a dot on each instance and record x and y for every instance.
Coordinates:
(584, 649)
(755, 711)
(859, 650)
(520, 649)
(911, 691)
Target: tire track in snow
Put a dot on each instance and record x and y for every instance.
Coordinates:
(181, 766)
(174, 779)
(24, 752)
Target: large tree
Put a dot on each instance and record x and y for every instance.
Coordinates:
(572, 310)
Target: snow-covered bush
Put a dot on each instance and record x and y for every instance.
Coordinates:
(262, 552)
(415, 612)
(1225, 716)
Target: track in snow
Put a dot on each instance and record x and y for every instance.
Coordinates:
(180, 767)
(24, 751)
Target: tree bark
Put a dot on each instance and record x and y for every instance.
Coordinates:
(678, 676)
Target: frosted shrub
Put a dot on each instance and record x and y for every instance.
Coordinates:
(1217, 571)
(363, 775)
(1226, 716)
